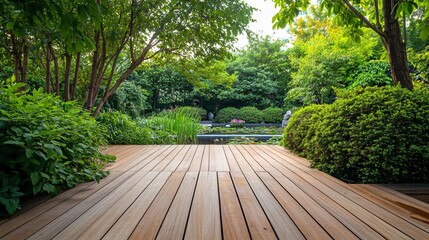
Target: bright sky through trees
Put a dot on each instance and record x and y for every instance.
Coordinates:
(262, 25)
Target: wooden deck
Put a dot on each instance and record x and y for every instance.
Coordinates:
(219, 192)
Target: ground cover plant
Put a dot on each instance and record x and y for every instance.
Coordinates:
(46, 145)
(369, 135)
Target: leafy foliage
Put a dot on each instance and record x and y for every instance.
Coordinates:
(45, 145)
(130, 99)
(372, 73)
(369, 135)
(272, 115)
(262, 74)
(325, 62)
(121, 129)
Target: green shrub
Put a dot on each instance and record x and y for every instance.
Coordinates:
(272, 115)
(374, 135)
(45, 145)
(249, 114)
(181, 121)
(226, 114)
(121, 129)
(300, 129)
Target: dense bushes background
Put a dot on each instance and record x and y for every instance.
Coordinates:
(250, 115)
(45, 145)
(368, 135)
(121, 129)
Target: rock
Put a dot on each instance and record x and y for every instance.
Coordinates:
(210, 116)
(286, 118)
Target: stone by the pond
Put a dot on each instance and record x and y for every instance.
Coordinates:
(210, 116)
(286, 117)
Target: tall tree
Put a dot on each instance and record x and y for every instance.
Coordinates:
(159, 29)
(381, 16)
(114, 38)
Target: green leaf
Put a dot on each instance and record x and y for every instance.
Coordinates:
(35, 178)
(28, 153)
(9, 25)
(11, 204)
(13, 142)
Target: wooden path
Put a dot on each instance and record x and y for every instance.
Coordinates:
(219, 192)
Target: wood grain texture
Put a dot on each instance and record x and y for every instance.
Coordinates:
(204, 218)
(174, 224)
(233, 222)
(219, 192)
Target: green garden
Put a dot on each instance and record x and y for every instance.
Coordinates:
(76, 76)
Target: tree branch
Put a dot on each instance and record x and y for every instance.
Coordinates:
(363, 18)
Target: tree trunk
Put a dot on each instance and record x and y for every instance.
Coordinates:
(48, 71)
(76, 77)
(91, 87)
(395, 46)
(57, 70)
(16, 57)
(67, 77)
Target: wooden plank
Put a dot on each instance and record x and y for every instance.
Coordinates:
(244, 165)
(130, 158)
(284, 227)
(415, 209)
(394, 220)
(306, 224)
(90, 217)
(257, 221)
(204, 218)
(286, 152)
(65, 205)
(217, 159)
(151, 222)
(249, 158)
(125, 225)
(233, 222)
(233, 165)
(286, 157)
(333, 226)
(162, 164)
(148, 164)
(8, 225)
(205, 160)
(187, 160)
(139, 158)
(174, 223)
(196, 160)
(111, 213)
(172, 166)
(337, 209)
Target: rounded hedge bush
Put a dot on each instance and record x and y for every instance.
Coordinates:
(272, 115)
(373, 135)
(226, 114)
(300, 129)
(249, 114)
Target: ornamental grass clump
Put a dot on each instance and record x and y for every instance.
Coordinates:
(183, 122)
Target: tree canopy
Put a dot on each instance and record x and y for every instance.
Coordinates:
(380, 16)
(105, 41)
